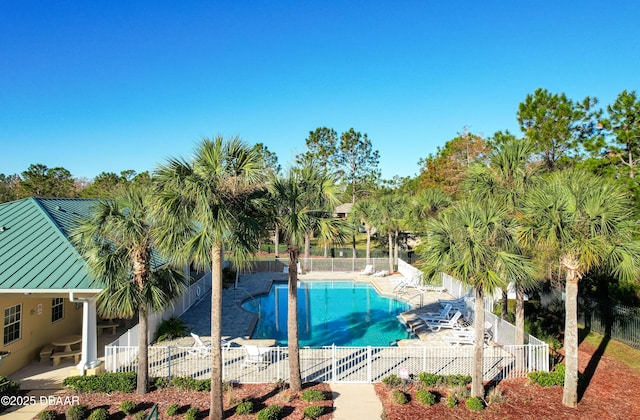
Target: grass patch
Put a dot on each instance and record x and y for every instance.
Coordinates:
(621, 352)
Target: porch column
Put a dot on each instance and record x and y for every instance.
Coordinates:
(89, 358)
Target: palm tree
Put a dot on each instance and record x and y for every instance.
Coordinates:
(389, 210)
(207, 204)
(584, 223)
(364, 213)
(117, 242)
(508, 177)
(471, 241)
(303, 195)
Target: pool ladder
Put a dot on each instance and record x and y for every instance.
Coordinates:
(235, 297)
(397, 296)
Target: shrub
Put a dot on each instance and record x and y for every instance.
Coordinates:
(105, 382)
(8, 387)
(77, 412)
(313, 411)
(47, 415)
(192, 413)
(127, 406)
(495, 395)
(245, 407)
(269, 413)
(399, 397)
(430, 379)
(425, 397)
(458, 380)
(186, 383)
(162, 382)
(99, 414)
(474, 404)
(311, 395)
(452, 401)
(172, 410)
(392, 381)
(556, 377)
(140, 415)
(171, 328)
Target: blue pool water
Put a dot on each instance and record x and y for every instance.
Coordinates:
(343, 313)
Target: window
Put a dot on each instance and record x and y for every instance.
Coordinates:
(12, 321)
(57, 309)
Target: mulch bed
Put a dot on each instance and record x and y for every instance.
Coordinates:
(612, 392)
(261, 395)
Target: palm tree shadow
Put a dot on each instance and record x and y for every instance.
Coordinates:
(585, 379)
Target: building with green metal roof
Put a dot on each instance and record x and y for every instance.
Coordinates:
(46, 291)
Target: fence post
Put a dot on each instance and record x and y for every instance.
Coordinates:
(333, 363)
(169, 362)
(369, 361)
(424, 358)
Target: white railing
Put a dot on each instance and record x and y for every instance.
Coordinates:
(335, 364)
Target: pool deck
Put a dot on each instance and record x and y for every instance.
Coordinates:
(238, 323)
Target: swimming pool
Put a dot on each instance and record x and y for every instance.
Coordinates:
(342, 312)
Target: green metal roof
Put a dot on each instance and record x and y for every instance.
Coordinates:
(35, 252)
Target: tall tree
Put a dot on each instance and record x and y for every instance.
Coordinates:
(557, 126)
(446, 169)
(205, 205)
(40, 181)
(623, 126)
(301, 194)
(8, 187)
(358, 161)
(390, 214)
(322, 146)
(510, 174)
(117, 241)
(363, 213)
(584, 223)
(472, 241)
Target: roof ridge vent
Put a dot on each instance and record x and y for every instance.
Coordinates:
(3, 228)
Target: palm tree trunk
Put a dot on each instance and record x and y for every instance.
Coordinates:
(307, 251)
(395, 249)
(216, 407)
(570, 392)
(368, 255)
(477, 388)
(277, 241)
(390, 251)
(505, 303)
(143, 352)
(353, 246)
(519, 315)
(295, 380)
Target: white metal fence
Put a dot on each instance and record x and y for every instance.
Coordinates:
(335, 364)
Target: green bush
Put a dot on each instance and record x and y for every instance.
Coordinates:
(171, 328)
(430, 379)
(162, 382)
(186, 383)
(245, 407)
(105, 382)
(452, 401)
(128, 406)
(99, 414)
(8, 387)
(311, 395)
(47, 415)
(392, 381)
(425, 397)
(77, 412)
(140, 415)
(172, 410)
(458, 380)
(192, 413)
(474, 404)
(399, 397)
(556, 377)
(313, 411)
(269, 413)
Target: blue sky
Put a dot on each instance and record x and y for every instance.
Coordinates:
(114, 85)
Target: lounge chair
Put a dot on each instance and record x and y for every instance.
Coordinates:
(255, 356)
(436, 316)
(448, 323)
(199, 348)
(460, 337)
(382, 273)
(368, 270)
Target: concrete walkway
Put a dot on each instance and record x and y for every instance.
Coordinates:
(355, 401)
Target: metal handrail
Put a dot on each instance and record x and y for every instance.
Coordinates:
(244, 290)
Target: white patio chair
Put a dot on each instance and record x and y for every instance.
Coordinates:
(368, 270)
(436, 316)
(448, 323)
(199, 348)
(460, 337)
(255, 356)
